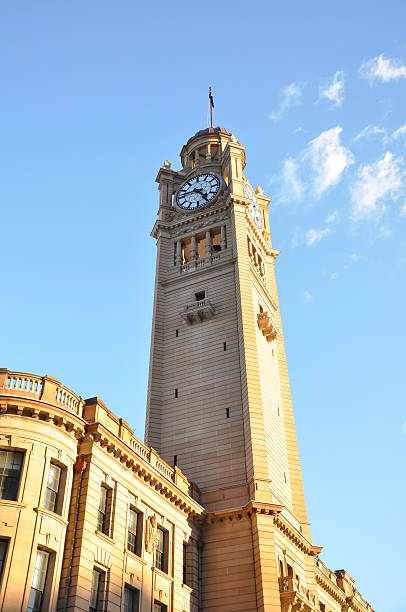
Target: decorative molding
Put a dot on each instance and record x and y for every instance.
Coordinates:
(151, 534)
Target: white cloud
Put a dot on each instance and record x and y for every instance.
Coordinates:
(318, 167)
(298, 129)
(334, 275)
(375, 183)
(332, 217)
(354, 257)
(380, 69)
(385, 231)
(399, 132)
(403, 210)
(290, 96)
(307, 296)
(371, 130)
(293, 186)
(335, 91)
(329, 158)
(313, 235)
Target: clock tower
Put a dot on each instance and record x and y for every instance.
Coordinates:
(219, 404)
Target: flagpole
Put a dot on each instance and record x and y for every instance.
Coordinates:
(211, 106)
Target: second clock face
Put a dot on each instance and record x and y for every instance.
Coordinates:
(197, 191)
(254, 208)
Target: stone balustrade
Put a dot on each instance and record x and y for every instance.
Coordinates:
(43, 388)
(198, 311)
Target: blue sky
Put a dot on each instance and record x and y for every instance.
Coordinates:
(96, 95)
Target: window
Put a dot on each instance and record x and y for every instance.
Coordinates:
(3, 552)
(10, 472)
(185, 564)
(200, 295)
(161, 552)
(131, 599)
(38, 581)
(96, 590)
(176, 393)
(224, 346)
(53, 485)
(103, 519)
(159, 607)
(322, 607)
(227, 413)
(134, 531)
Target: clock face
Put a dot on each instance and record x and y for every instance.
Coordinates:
(197, 191)
(254, 208)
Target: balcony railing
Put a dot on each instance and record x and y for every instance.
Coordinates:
(43, 388)
(198, 311)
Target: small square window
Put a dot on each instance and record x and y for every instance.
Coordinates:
(200, 295)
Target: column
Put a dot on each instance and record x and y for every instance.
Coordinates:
(223, 238)
(193, 247)
(208, 243)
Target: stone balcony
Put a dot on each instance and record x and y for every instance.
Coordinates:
(294, 594)
(198, 311)
(43, 388)
(267, 326)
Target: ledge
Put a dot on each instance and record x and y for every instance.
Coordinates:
(136, 557)
(105, 537)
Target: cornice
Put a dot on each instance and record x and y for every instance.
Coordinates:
(43, 412)
(296, 537)
(332, 589)
(129, 459)
(246, 511)
(187, 221)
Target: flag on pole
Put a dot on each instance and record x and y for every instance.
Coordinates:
(211, 98)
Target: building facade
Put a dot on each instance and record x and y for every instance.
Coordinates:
(210, 513)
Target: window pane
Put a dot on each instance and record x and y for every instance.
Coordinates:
(50, 500)
(34, 603)
(10, 471)
(52, 491)
(40, 570)
(128, 600)
(132, 537)
(95, 590)
(3, 550)
(160, 540)
(103, 499)
(54, 476)
(132, 521)
(38, 581)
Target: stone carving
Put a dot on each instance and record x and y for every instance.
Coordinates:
(150, 534)
(215, 219)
